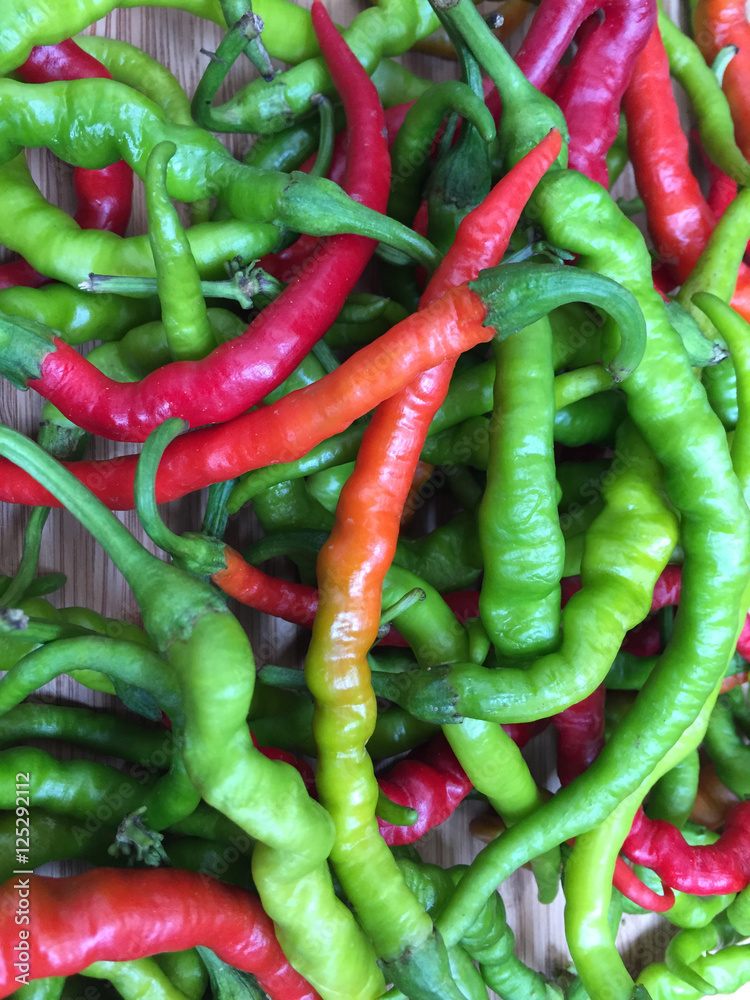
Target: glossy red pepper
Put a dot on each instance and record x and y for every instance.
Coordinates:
(580, 735)
(703, 870)
(430, 780)
(115, 915)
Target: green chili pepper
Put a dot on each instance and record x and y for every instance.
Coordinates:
(717, 266)
(396, 83)
(84, 789)
(137, 69)
(40, 622)
(490, 941)
(738, 912)
(618, 598)
(85, 727)
(40, 585)
(593, 420)
(726, 748)
(200, 168)
(695, 76)
(133, 670)
(690, 944)
(77, 316)
(42, 989)
(58, 838)
(735, 331)
(522, 544)
(588, 880)
(183, 307)
(726, 971)
(186, 970)
(136, 978)
(289, 149)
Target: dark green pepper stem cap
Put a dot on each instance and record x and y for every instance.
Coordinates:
(24, 344)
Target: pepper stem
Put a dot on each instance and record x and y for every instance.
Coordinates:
(327, 136)
(723, 58)
(16, 589)
(242, 287)
(402, 604)
(393, 812)
(134, 840)
(243, 35)
(194, 553)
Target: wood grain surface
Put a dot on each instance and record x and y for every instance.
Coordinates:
(176, 38)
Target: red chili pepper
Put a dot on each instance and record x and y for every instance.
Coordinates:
(667, 588)
(117, 915)
(64, 61)
(580, 735)
(294, 602)
(703, 870)
(104, 196)
(628, 883)
(592, 90)
(240, 372)
(679, 220)
(430, 780)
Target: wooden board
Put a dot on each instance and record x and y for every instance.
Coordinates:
(176, 38)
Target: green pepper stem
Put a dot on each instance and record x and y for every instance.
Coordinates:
(16, 589)
(242, 287)
(243, 35)
(723, 58)
(193, 553)
(327, 136)
(393, 812)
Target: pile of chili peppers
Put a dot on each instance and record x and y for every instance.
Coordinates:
(505, 493)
